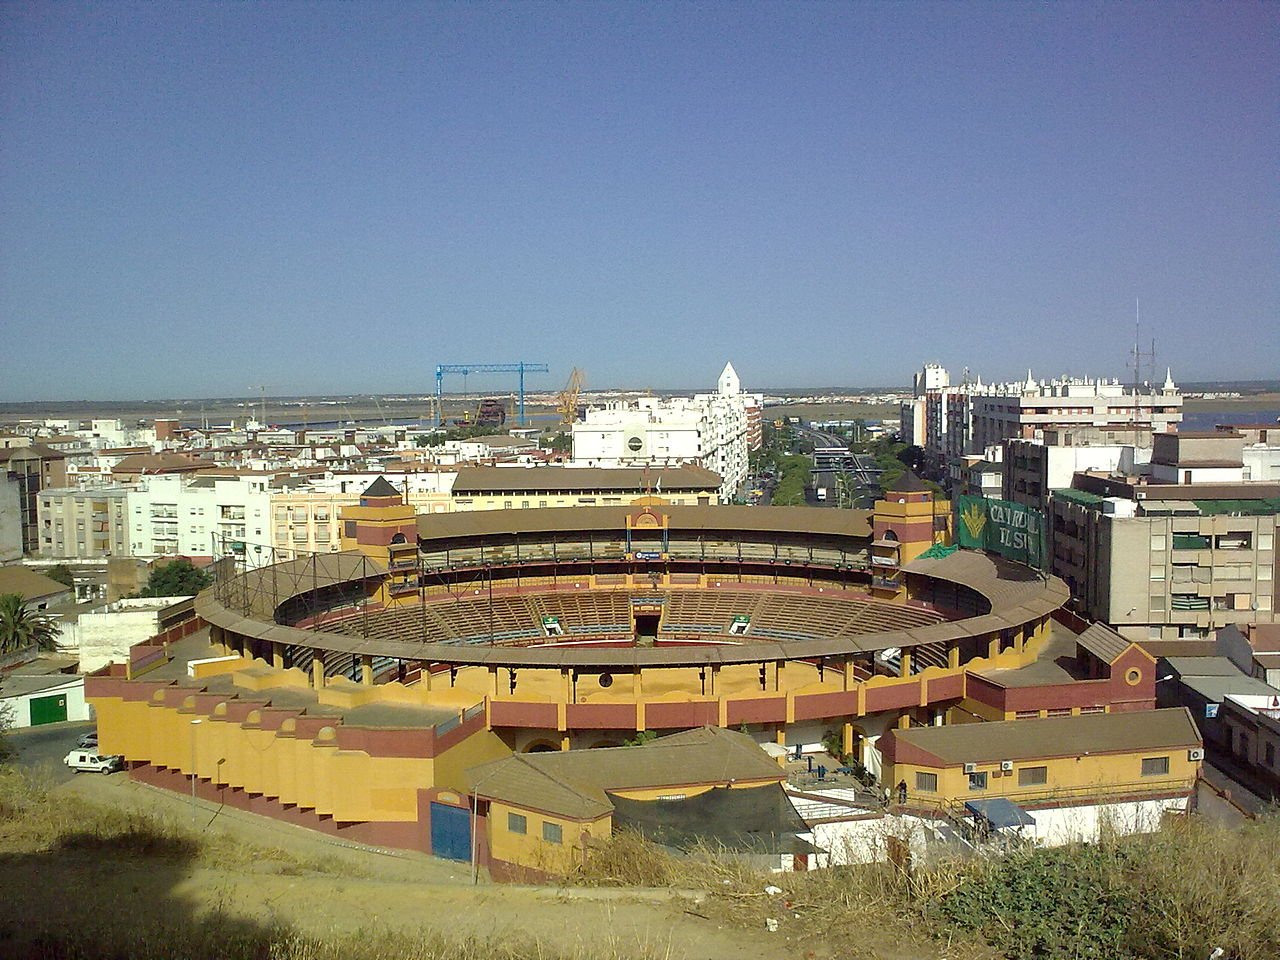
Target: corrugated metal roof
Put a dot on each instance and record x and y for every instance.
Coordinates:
(1057, 737)
(1103, 642)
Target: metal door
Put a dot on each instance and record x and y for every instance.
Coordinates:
(450, 832)
(48, 709)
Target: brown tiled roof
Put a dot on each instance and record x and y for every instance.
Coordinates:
(1145, 730)
(30, 451)
(159, 463)
(586, 479)
(27, 583)
(574, 783)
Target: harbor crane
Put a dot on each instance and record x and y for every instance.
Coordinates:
(521, 367)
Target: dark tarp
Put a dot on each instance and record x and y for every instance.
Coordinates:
(746, 820)
(1000, 813)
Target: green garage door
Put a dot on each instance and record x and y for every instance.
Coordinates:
(48, 709)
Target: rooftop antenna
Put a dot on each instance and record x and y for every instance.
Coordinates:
(1139, 358)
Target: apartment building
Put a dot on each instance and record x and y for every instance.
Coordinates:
(712, 430)
(1164, 561)
(1026, 410)
(84, 524)
(32, 467)
(974, 419)
(304, 519)
(201, 516)
(1032, 469)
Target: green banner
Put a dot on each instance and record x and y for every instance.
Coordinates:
(1006, 528)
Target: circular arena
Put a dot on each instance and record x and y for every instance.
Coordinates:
(581, 626)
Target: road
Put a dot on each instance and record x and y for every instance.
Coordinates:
(43, 748)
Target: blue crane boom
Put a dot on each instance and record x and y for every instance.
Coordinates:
(522, 367)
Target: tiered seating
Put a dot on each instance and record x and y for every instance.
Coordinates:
(582, 614)
(470, 618)
(703, 611)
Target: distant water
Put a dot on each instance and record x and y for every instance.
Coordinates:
(1207, 420)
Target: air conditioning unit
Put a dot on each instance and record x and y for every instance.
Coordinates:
(970, 768)
(1006, 766)
(1195, 754)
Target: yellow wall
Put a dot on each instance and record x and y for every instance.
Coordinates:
(1067, 778)
(530, 850)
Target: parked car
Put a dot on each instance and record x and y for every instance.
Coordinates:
(89, 741)
(91, 762)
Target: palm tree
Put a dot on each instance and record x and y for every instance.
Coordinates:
(21, 628)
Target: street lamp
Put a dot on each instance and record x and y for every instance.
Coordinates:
(475, 839)
(194, 724)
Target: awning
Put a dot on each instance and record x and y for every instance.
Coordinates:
(1000, 813)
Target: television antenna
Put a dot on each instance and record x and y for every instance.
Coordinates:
(1138, 359)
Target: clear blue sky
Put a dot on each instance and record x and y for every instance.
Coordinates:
(331, 197)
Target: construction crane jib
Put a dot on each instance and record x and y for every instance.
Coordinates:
(522, 367)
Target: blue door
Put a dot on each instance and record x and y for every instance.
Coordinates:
(450, 832)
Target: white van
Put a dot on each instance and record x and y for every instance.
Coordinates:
(90, 761)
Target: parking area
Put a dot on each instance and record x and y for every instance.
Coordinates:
(42, 749)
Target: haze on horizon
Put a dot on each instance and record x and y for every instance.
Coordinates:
(334, 198)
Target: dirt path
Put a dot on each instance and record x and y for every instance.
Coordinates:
(387, 890)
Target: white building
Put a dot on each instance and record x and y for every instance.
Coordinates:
(201, 517)
(713, 430)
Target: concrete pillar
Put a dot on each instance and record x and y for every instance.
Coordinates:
(847, 676)
(317, 669)
(846, 738)
(493, 682)
(780, 675)
(993, 645)
(904, 721)
(905, 665)
(637, 683)
(566, 685)
(366, 670)
(564, 742)
(714, 689)
(953, 656)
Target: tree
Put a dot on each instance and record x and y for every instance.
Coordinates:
(22, 628)
(176, 579)
(62, 573)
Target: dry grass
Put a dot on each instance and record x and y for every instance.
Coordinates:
(32, 820)
(1174, 894)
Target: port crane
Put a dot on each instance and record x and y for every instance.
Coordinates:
(521, 367)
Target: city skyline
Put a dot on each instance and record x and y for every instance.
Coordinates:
(201, 198)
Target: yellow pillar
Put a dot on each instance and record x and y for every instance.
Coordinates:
(780, 735)
(493, 682)
(847, 674)
(424, 680)
(905, 665)
(637, 683)
(317, 670)
(993, 645)
(564, 742)
(566, 685)
(277, 656)
(846, 738)
(953, 656)
(904, 721)
(780, 675)
(366, 669)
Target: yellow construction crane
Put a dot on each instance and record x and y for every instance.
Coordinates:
(567, 399)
